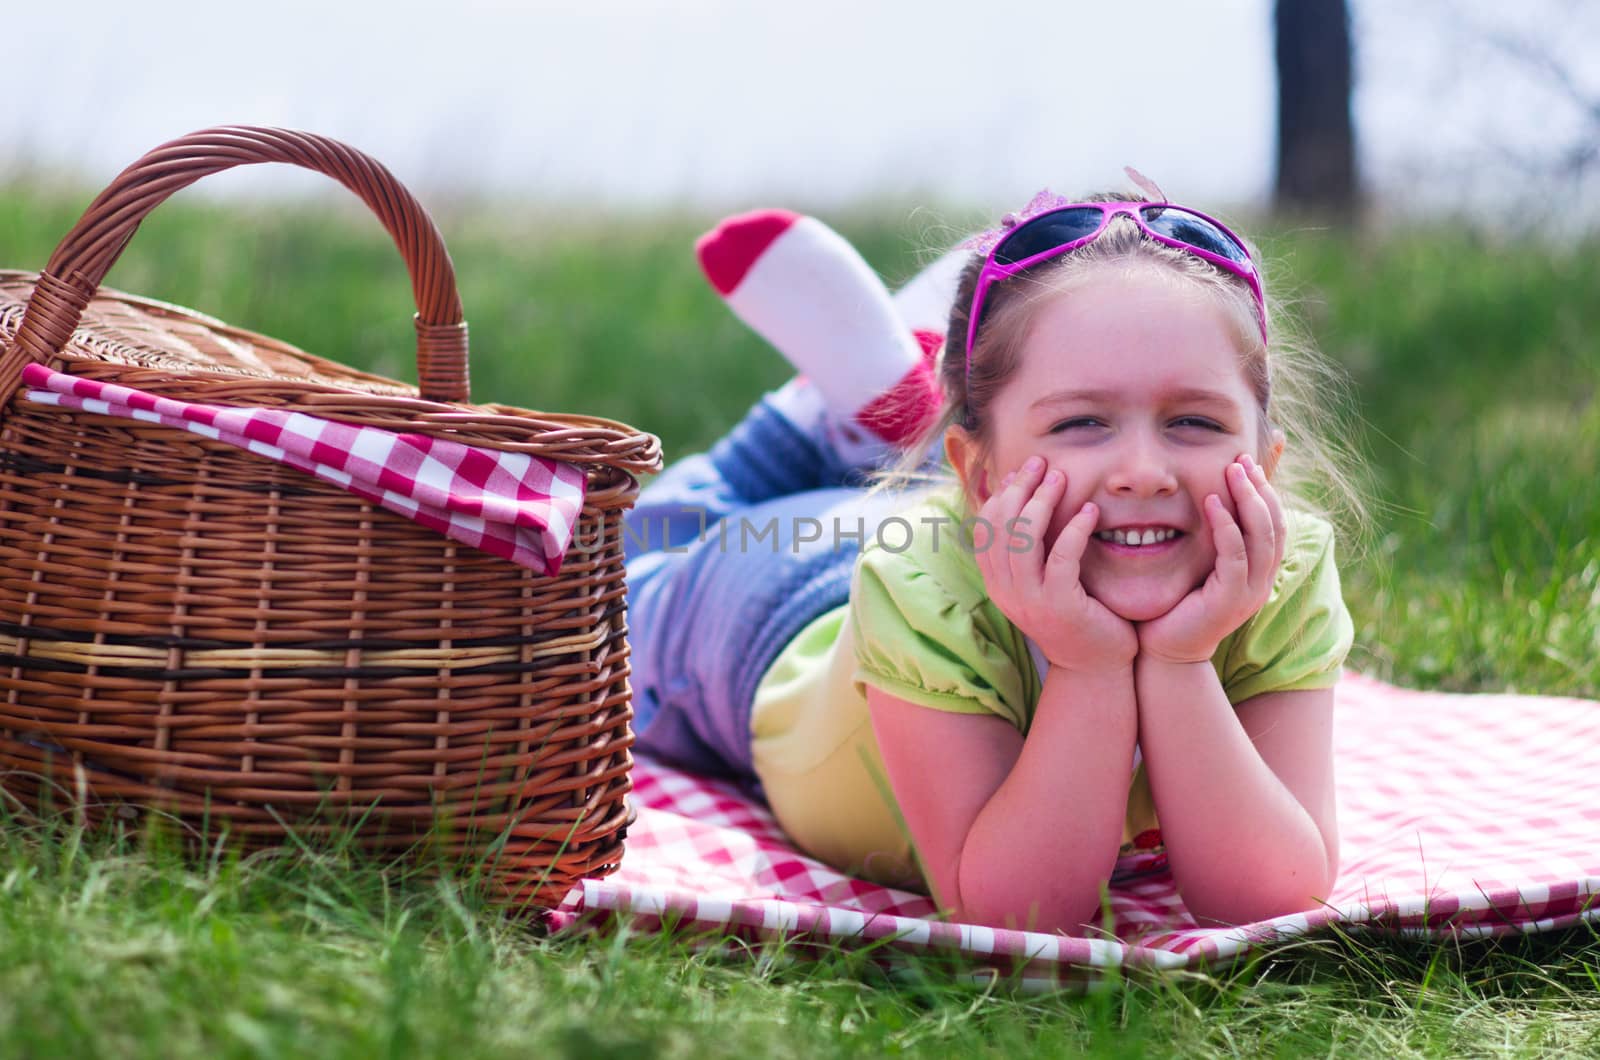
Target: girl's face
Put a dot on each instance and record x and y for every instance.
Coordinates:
(1132, 386)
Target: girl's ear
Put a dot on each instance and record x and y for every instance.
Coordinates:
(965, 456)
(1269, 459)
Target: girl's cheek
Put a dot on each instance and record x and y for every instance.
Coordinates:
(1200, 485)
(1079, 492)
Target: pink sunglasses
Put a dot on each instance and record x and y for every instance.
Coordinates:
(1066, 228)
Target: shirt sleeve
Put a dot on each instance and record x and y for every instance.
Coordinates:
(1301, 635)
(919, 637)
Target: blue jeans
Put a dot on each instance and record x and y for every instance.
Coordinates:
(730, 554)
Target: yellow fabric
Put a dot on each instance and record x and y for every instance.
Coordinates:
(919, 626)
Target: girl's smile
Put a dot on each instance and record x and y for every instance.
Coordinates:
(1139, 541)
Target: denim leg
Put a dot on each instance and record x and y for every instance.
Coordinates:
(710, 608)
(766, 455)
(707, 623)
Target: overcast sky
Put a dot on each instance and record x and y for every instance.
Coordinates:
(726, 104)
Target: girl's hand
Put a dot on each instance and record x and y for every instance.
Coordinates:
(1247, 561)
(1042, 594)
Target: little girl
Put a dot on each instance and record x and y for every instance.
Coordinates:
(1104, 646)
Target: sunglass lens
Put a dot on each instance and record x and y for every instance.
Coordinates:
(1194, 230)
(1047, 232)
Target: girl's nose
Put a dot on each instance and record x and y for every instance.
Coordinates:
(1141, 469)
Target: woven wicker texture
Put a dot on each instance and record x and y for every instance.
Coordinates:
(189, 628)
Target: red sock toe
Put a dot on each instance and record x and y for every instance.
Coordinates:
(728, 250)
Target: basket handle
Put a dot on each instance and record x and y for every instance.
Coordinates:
(84, 256)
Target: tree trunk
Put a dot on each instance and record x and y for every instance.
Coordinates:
(1316, 138)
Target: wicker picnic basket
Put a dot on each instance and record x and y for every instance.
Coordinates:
(189, 629)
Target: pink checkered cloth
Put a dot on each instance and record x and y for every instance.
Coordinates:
(519, 507)
(1459, 815)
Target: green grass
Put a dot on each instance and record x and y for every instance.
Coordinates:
(1474, 366)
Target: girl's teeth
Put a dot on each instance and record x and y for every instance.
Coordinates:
(1135, 537)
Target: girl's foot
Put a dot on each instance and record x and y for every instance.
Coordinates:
(866, 379)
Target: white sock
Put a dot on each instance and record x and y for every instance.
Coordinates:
(923, 304)
(805, 289)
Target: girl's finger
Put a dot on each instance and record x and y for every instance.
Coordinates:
(1280, 523)
(1066, 555)
(991, 516)
(1255, 522)
(1233, 558)
(1026, 548)
(1004, 504)
(991, 507)
(996, 575)
(1024, 482)
(995, 520)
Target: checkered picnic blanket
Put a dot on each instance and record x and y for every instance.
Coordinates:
(519, 507)
(1459, 815)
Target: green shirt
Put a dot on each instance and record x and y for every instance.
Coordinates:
(920, 626)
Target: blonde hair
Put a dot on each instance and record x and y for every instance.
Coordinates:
(1297, 391)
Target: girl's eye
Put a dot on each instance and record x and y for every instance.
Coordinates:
(1080, 421)
(1197, 421)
